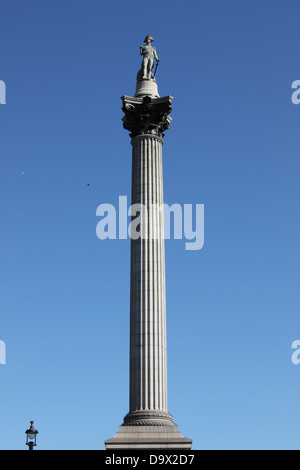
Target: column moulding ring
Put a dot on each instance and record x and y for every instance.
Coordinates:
(151, 136)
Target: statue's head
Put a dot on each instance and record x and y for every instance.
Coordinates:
(148, 38)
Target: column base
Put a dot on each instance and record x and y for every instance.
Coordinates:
(148, 418)
(148, 437)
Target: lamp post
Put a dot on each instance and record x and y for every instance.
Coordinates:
(31, 436)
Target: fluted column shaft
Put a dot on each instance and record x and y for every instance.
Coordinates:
(148, 361)
(147, 118)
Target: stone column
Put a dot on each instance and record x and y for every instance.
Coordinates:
(146, 118)
(148, 425)
(148, 343)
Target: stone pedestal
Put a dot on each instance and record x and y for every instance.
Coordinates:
(148, 425)
(147, 438)
(145, 86)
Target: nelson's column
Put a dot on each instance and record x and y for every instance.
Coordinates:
(148, 425)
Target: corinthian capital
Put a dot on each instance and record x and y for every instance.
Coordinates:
(147, 115)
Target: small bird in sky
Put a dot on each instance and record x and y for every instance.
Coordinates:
(88, 184)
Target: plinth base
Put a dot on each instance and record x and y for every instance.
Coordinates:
(146, 86)
(148, 437)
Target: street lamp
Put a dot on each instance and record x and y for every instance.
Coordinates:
(31, 436)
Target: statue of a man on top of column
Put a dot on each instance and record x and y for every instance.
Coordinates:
(149, 55)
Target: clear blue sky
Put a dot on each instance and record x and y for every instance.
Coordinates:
(234, 145)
